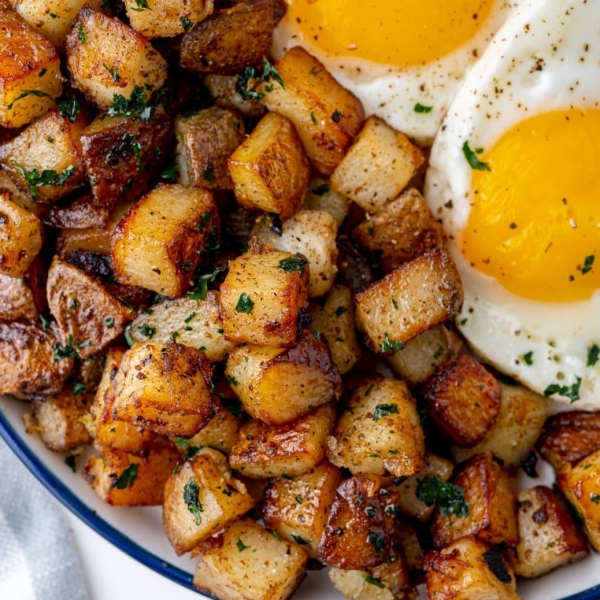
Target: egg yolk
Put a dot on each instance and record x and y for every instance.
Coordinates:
(534, 223)
(404, 33)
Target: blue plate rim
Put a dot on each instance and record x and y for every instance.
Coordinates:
(68, 499)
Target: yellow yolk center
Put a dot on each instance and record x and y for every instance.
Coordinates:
(404, 33)
(535, 221)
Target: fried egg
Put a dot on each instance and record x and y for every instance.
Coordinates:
(404, 60)
(514, 178)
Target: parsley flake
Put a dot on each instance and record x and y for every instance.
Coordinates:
(146, 330)
(79, 388)
(472, 159)
(569, 391)
(384, 410)
(450, 498)
(390, 345)
(370, 579)
(186, 24)
(300, 540)
(141, 6)
(593, 355)
(127, 477)
(68, 106)
(241, 546)
(321, 189)
(588, 263)
(421, 109)
(244, 304)
(294, 263)
(34, 179)
(191, 493)
(528, 357)
(81, 36)
(113, 73)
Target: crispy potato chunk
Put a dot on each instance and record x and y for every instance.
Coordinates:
(16, 300)
(321, 196)
(262, 451)
(165, 388)
(276, 386)
(269, 169)
(28, 63)
(157, 244)
(245, 561)
(379, 430)
(416, 296)
(549, 536)
(222, 89)
(463, 400)
(82, 213)
(106, 57)
(326, 115)
(202, 498)
(262, 296)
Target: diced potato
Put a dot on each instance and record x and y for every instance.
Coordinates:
(469, 570)
(205, 142)
(106, 57)
(276, 386)
(549, 537)
(326, 115)
(269, 169)
(416, 296)
(201, 499)
(29, 71)
(517, 427)
(223, 91)
(21, 237)
(335, 321)
(82, 213)
(167, 18)
(491, 494)
(463, 400)
(18, 196)
(379, 430)
(16, 300)
(165, 388)
(157, 244)
(262, 451)
(321, 196)
(298, 509)
(122, 479)
(262, 296)
(246, 562)
(86, 313)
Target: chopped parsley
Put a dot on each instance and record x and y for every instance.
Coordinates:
(141, 6)
(241, 546)
(26, 93)
(70, 462)
(390, 345)
(109, 322)
(68, 107)
(233, 405)
(421, 109)
(472, 159)
(202, 285)
(569, 391)
(294, 263)
(450, 498)
(81, 36)
(528, 357)
(113, 73)
(136, 106)
(244, 304)
(190, 317)
(208, 174)
(588, 263)
(250, 73)
(146, 330)
(593, 355)
(191, 493)
(186, 23)
(231, 380)
(340, 310)
(298, 499)
(384, 410)
(375, 582)
(300, 540)
(313, 118)
(69, 350)
(34, 179)
(337, 115)
(127, 477)
(370, 389)
(79, 388)
(321, 189)
(377, 540)
(170, 172)
(439, 352)
(595, 498)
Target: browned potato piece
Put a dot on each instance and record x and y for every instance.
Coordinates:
(28, 63)
(16, 300)
(379, 431)
(549, 536)
(269, 169)
(262, 451)
(469, 570)
(122, 479)
(276, 386)
(463, 400)
(205, 141)
(416, 296)
(247, 561)
(82, 213)
(491, 494)
(158, 242)
(326, 115)
(409, 540)
(86, 313)
(106, 57)
(21, 237)
(297, 509)
(569, 437)
(29, 363)
(202, 498)
(321, 196)
(165, 388)
(230, 39)
(167, 18)
(222, 89)
(262, 296)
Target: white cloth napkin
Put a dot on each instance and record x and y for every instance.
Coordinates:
(38, 556)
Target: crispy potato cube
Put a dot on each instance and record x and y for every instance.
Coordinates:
(416, 296)
(262, 451)
(298, 509)
(321, 196)
(491, 494)
(158, 242)
(222, 89)
(463, 400)
(469, 570)
(29, 363)
(21, 237)
(205, 142)
(85, 312)
(335, 321)
(122, 479)
(276, 386)
(517, 427)
(549, 536)
(201, 499)
(326, 115)
(247, 562)
(29, 71)
(269, 169)
(16, 300)
(379, 431)
(82, 213)
(262, 296)
(106, 57)
(165, 388)
(167, 18)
